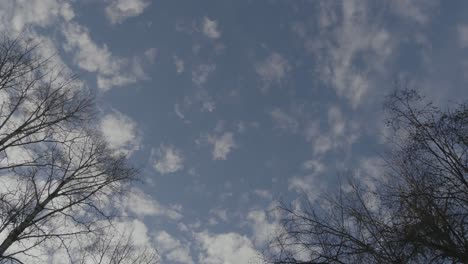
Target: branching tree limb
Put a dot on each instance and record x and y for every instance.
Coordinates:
(57, 175)
(419, 212)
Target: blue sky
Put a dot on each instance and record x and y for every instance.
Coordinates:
(227, 107)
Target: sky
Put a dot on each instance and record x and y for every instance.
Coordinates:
(227, 107)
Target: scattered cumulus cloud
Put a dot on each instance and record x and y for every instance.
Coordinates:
(272, 69)
(336, 121)
(17, 155)
(203, 97)
(263, 227)
(306, 185)
(340, 133)
(137, 230)
(311, 183)
(226, 248)
(151, 54)
(201, 72)
(463, 36)
(222, 145)
(220, 214)
(29, 16)
(414, 10)
(89, 56)
(17, 15)
(351, 54)
(179, 64)
(354, 38)
(208, 106)
(120, 132)
(142, 204)
(210, 28)
(265, 194)
(119, 10)
(322, 144)
(168, 159)
(178, 111)
(172, 249)
(315, 166)
(111, 70)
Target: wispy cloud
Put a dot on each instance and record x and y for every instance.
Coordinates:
(142, 204)
(226, 248)
(284, 121)
(179, 64)
(201, 72)
(168, 159)
(120, 10)
(111, 70)
(222, 145)
(172, 249)
(210, 28)
(120, 132)
(272, 70)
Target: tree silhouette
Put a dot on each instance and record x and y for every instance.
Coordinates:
(57, 174)
(418, 213)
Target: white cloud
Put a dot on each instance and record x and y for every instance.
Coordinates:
(120, 10)
(355, 38)
(336, 122)
(463, 36)
(141, 204)
(203, 97)
(322, 144)
(370, 171)
(414, 10)
(151, 54)
(314, 165)
(24, 18)
(311, 183)
(112, 71)
(26, 15)
(264, 229)
(17, 155)
(210, 28)
(172, 249)
(226, 248)
(222, 145)
(308, 185)
(201, 72)
(272, 70)
(88, 55)
(340, 134)
(120, 132)
(107, 82)
(265, 194)
(178, 111)
(138, 230)
(168, 159)
(221, 214)
(15, 15)
(179, 64)
(208, 106)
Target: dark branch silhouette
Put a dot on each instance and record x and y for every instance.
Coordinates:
(418, 212)
(57, 175)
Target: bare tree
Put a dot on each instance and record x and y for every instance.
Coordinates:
(116, 248)
(57, 175)
(418, 213)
